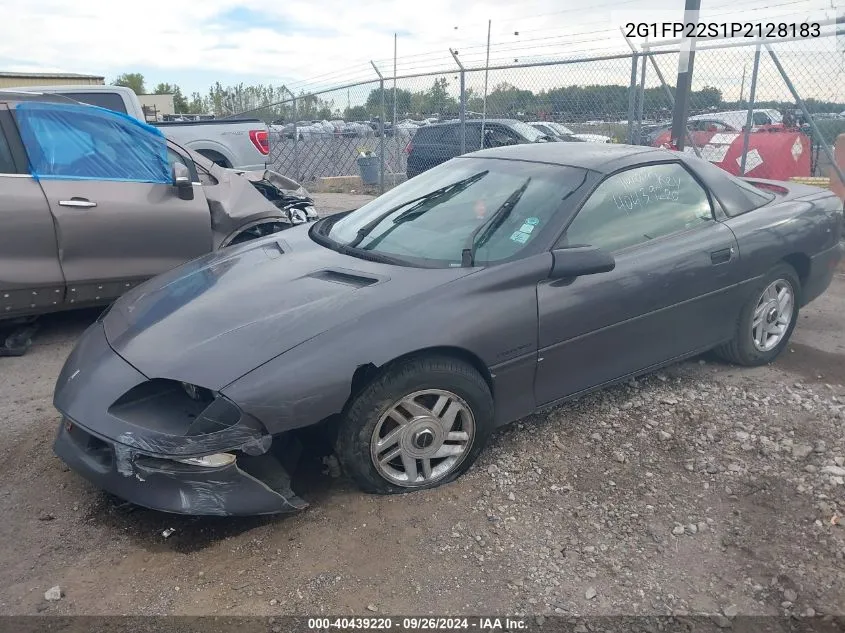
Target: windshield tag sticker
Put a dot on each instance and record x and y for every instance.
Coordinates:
(526, 228)
(520, 237)
(532, 221)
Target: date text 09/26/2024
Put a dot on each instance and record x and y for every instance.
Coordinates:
(416, 624)
(704, 30)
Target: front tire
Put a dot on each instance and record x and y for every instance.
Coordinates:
(420, 424)
(767, 319)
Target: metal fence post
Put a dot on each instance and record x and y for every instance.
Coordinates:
(463, 103)
(632, 98)
(749, 119)
(828, 152)
(670, 98)
(295, 140)
(684, 83)
(381, 130)
(641, 101)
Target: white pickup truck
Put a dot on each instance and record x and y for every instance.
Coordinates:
(242, 144)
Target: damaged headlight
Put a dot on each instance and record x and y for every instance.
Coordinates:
(302, 214)
(218, 460)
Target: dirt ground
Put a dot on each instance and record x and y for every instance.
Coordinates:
(705, 488)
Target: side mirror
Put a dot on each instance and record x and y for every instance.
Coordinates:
(182, 181)
(580, 260)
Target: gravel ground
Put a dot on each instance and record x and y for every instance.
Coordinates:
(705, 488)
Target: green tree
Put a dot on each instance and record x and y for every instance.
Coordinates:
(403, 102)
(135, 81)
(180, 104)
(356, 113)
(196, 105)
(507, 100)
(707, 97)
(438, 99)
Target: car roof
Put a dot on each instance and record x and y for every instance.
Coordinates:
(13, 96)
(601, 157)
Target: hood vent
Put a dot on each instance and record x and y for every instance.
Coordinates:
(344, 278)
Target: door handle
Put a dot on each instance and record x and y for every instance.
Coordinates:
(79, 203)
(722, 256)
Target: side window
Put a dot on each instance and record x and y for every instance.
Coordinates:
(109, 100)
(638, 205)
(761, 118)
(6, 164)
(473, 136)
(79, 142)
(449, 136)
(425, 136)
(497, 136)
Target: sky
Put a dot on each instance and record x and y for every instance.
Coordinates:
(310, 45)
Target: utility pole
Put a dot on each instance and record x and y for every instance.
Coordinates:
(486, 72)
(684, 83)
(394, 83)
(742, 85)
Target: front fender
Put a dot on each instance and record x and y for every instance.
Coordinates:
(492, 317)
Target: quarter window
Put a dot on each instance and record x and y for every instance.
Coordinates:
(6, 164)
(639, 205)
(175, 157)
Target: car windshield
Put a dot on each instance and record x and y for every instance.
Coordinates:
(492, 208)
(562, 129)
(528, 131)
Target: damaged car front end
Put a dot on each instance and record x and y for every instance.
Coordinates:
(164, 444)
(247, 205)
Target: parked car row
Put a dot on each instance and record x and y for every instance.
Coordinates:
(328, 129)
(436, 143)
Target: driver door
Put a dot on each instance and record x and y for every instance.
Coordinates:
(113, 232)
(674, 291)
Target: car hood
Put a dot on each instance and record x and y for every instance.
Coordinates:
(212, 320)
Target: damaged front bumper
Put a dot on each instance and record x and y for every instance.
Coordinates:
(136, 449)
(164, 484)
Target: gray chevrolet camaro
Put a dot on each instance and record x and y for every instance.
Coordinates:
(407, 330)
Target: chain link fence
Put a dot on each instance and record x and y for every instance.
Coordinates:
(772, 111)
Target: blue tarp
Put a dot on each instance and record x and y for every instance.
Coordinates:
(80, 142)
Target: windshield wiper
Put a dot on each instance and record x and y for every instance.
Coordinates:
(414, 212)
(492, 225)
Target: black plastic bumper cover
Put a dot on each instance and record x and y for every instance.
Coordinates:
(170, 486)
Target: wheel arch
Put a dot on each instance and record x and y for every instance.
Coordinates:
(366, 373)
(214, 156)
(801, 263)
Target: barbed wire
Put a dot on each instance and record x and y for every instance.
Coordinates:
(442, 57)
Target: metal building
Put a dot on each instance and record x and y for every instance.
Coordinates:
(8, 80)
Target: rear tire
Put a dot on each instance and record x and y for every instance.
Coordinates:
(399, 414)
(766, 321)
